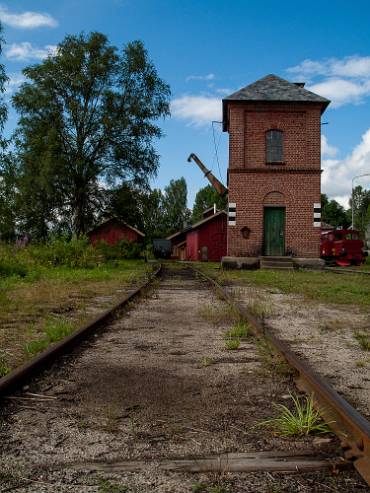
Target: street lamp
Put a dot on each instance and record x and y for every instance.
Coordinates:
(353, 180)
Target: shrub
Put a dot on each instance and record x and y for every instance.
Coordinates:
(10, 264)
(124, 249)
(74, 253)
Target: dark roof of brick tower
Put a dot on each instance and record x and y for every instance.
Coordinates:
(273, 89)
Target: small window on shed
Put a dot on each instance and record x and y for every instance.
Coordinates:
(274, 146)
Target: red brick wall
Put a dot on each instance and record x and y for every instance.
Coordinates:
(251, 179)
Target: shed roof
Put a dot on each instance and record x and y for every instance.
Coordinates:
(123, 223)
(196, 225)
(273, 88)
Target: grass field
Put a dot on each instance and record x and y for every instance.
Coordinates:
(321, 286)
(50, 302)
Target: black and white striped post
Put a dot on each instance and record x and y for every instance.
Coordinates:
(232, 214)
(317, 215)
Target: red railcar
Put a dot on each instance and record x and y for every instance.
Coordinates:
(342, 246)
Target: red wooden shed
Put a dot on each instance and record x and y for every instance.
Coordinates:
(114, 230)
(205, 240)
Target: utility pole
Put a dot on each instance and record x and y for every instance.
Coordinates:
(353, 208)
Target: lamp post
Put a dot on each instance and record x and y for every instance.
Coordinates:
(353, 180)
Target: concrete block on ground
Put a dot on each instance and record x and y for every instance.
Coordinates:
(308, 263)
(240, 262)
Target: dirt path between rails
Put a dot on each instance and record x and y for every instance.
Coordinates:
(140, 391)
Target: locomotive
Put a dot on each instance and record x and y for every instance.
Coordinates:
(342, 247)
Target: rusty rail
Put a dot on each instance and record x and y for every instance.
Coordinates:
(23, 373)
(337, 270)
(352, 429)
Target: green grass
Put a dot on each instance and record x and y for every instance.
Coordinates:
(363, 339)
(4, 369)
(108, 487)
(301, 421)
(319, 286)
(206, 361)
(232, 344)
(34, 347)
(238, 331)
(55, 330)
(219, 313)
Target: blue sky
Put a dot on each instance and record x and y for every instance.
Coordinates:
(206, 49)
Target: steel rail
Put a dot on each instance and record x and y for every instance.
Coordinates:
(352, 429)
(337, 270)
(23, 373)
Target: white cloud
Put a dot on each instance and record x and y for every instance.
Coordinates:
(25, 51)
(27, 20)
(338, 173)
(15, 80)
(342, 80)
(341, 91)
(200, 77)
(197, 110)
(327, 149)
(350, 66)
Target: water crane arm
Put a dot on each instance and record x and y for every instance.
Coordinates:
(217, 185)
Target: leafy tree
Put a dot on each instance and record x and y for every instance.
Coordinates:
(87, 122)
(3, 107)
(205, 198)
(7, 176)
(360, 200)
(142, 209)
(176, 213)
(8, 198)
(333, 213)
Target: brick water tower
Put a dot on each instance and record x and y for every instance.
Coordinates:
(274, 171)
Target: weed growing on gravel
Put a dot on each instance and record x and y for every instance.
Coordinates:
(206, 361)
(360, 363)
(108, 487)
(303, 420)
(204, 488)
(332, 325)
(271, 360)
(232, 344)
(259, 309)
(239, 330)
(217, 314)
(364, 340)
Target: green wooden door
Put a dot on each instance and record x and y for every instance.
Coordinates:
(274, 231)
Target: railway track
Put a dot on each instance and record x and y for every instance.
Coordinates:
(155, 398)
(346, 271)
(352, 428)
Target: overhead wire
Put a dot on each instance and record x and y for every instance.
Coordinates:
(216, 146)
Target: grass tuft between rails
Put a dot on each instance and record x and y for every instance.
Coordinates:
(301, 421)
(239, 330)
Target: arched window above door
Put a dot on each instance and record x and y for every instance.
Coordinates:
(274, 147)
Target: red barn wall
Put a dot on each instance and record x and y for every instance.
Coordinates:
(211, 234)
(192, 245)
(112, 233)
